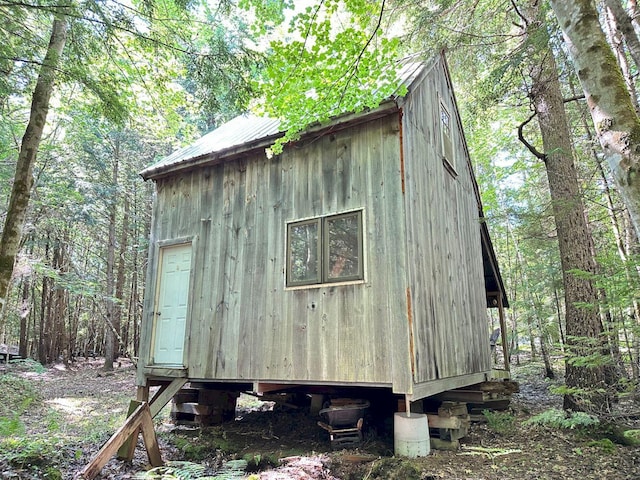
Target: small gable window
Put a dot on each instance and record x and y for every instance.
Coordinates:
(325, 250)
(446, 138)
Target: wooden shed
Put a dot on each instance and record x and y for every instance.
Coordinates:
(358, 257)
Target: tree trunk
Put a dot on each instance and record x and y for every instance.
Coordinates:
(111, 332)
(546, 358)
(120, 278)
(625, 28)
(556, 300)
(24, 316)
(584, 330)
(617, 45)
(632, 275)
(616, 122)
(23, 180)
(44, 303)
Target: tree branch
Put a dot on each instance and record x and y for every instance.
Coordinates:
(530, 147)
(356, 62)
(575, 98)
(521, 15)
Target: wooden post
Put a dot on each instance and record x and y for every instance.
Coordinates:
(503, 331)
(142, 393)
(140, 418)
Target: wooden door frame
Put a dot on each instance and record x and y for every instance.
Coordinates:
(159, 255)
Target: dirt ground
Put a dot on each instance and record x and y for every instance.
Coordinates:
(272, 442)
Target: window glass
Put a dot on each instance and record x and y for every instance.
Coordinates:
(303, 253)
(326, 249)
(445, 120)
(447, 144)
(343, 235)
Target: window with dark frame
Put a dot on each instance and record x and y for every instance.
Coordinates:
(445, 129)
(325, 250)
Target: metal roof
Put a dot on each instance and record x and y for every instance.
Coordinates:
(248, 128)
(242, 129)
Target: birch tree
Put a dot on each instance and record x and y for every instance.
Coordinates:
(616, 122)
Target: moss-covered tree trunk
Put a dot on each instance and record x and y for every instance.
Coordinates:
(615, 119)
(624, 26)
(23, 180)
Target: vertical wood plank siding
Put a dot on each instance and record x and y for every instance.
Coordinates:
(244, 323)
(443, 243)
(422, 246)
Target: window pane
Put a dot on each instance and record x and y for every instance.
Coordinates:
(445, 120)
(303, 253)
(343, 235)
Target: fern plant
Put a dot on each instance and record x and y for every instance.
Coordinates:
(557, 418)
(174, 470)
(182, 470)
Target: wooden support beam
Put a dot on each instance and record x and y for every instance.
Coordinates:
(263, 387)
(128, 448)
(469, 396)
(436, 421)
(506, 351)
(165, 395)
(150, 441)
(142, 393)
(140, 418)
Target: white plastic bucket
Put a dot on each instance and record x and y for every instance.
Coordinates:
(411, 435)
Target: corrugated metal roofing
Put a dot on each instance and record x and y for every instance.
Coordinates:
(242, 129)
(248, 128)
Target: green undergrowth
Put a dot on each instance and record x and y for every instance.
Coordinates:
(556, 418)
(503, 423)
(34, 451)
(19, 449)
(257, 462)
(17, 396)
(58, 435)
(27, 365)
(598, 434)
(204, 444)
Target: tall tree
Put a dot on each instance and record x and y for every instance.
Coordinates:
(624, 26)
(583, 326)
(23, 180)
(616, 122)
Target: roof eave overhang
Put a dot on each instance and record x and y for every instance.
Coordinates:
(385, 108)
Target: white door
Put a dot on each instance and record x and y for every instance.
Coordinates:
(171, 305)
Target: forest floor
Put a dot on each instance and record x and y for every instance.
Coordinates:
(53, 420)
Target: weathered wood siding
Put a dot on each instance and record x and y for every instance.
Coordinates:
(420, 314)
(244, 323)
(450, 336)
